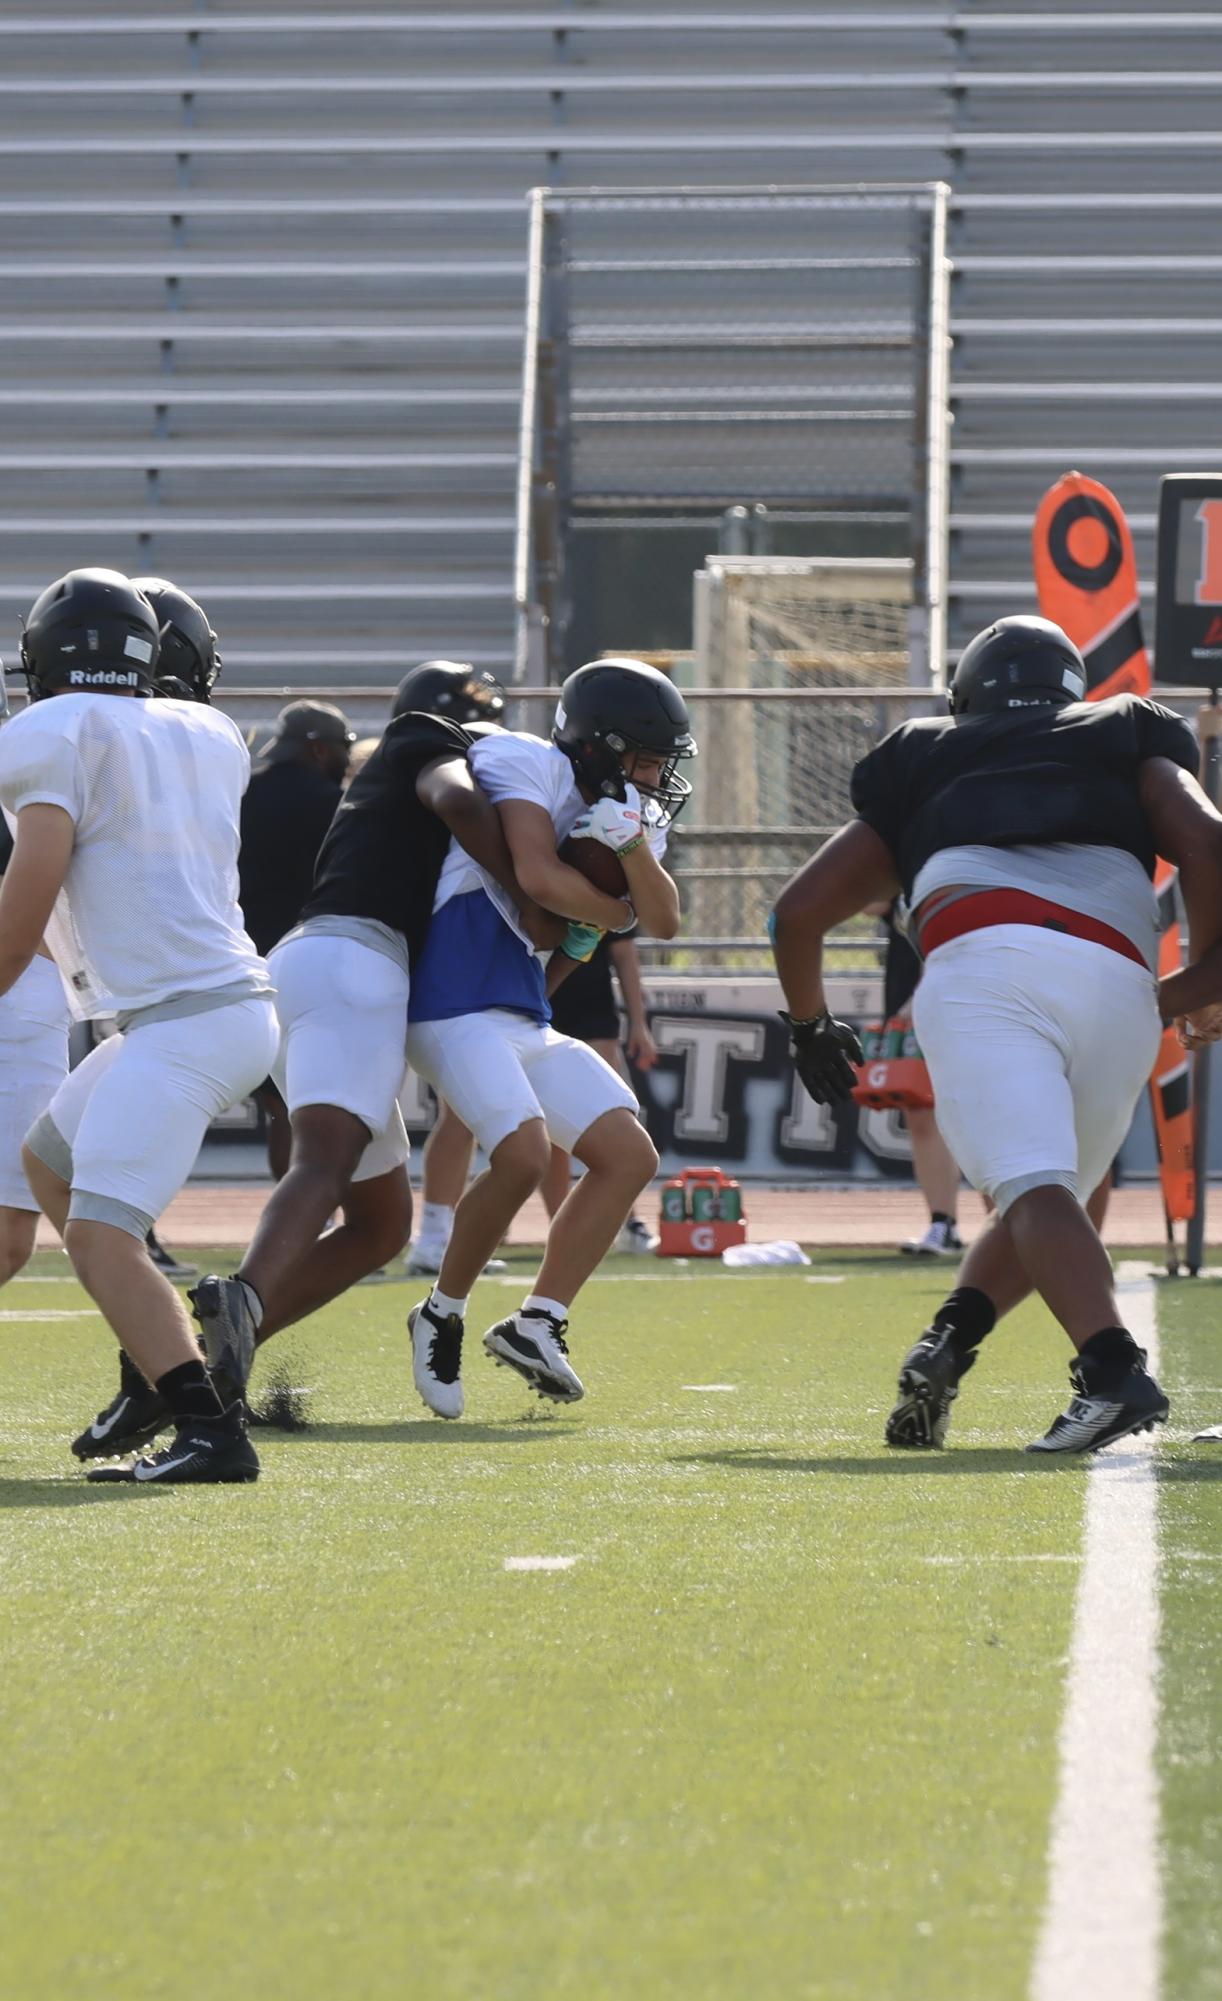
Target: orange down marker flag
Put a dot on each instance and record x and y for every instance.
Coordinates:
(1086, 580)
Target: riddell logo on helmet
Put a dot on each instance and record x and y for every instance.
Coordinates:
(102, 677)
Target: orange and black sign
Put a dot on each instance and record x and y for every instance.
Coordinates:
(1086, 576)
(1086, 579)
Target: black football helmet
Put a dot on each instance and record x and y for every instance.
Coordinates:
(450, 688)
(189, 662)
(91, 631)
(1018, 663)
(611, 708)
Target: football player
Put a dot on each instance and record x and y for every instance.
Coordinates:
(129, 806)
(479, 1012)
(343, 977)
(1022, 830)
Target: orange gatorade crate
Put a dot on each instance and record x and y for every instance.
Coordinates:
(701, 1214)
(894, 1074)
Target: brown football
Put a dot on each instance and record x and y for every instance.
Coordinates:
(598, 864)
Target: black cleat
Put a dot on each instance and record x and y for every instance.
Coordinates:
(1109, 1402)
(930, 1374)
(206, 1451)
(227, 1329)
(131, 1420)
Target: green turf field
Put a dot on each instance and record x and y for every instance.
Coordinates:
(785, 1727)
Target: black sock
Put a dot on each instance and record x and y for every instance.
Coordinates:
(187, 1392)
(131, 1380)
(1111, 1348)
(940, 1216)
(967, 1314)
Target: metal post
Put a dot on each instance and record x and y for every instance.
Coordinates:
(525, 594)
(1211, 782)
(930, 523)
(734, 535)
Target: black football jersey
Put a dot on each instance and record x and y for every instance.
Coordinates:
(383, 851)
(1018, 777)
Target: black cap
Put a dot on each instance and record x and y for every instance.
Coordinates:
(306, 722)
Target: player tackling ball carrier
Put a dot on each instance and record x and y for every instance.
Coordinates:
(1022, 831)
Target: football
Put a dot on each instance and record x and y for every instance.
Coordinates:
(598, 864)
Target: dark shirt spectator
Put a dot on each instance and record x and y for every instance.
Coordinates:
(288, 807)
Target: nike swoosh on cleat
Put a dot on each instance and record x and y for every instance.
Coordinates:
(144, 1469)
(97, 1430)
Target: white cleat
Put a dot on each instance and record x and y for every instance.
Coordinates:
(533, 1343)
(941, 1240)
(437, 1359)
(637, 1239)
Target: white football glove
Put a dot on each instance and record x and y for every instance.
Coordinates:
(616, 823)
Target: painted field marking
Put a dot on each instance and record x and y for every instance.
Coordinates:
(1102, 1922)
(824, 1278)
(1035, 1556)
(729, 1387)
(718, 1271)
(540, 1562)
(53, 1313)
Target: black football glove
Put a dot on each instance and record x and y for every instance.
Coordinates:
(824, 1051)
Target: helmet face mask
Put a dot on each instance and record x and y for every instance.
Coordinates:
(90, 632)
(188, 662)
(612, 712)
(1015, 664)
(453, 689)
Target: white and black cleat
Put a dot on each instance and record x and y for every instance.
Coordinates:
(636, 1239)
(437, 1359)
(941, 1240)
(207, 1451)
(533, 1343)
(1108, 1403)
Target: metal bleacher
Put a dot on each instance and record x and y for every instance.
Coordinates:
(1087, 301)
(262, 267)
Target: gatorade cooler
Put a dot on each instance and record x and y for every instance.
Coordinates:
(894, 1074)
(710, 1219)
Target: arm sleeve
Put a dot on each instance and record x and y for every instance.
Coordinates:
(1161, 733)
(39, 766)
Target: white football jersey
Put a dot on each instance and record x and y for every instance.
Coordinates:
(514, 765)
(153, 789)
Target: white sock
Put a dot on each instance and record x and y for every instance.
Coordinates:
(442, 1304)
(538, 1304)
(436, 1223)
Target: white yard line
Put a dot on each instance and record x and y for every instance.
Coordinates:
(53, 1313)
(1103, 1920)
(539, 1562)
